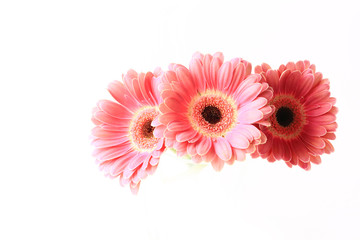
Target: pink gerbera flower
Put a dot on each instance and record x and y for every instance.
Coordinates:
(304, 117)
(209, 110)
(123, 136)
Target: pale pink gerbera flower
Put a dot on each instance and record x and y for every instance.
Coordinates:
(304, 117)
(209, 110)
(123, 136)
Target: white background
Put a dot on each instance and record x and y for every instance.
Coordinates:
(56, 59)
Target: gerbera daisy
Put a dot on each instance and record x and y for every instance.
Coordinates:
(124, 137)
(304, 118)
(209, 110)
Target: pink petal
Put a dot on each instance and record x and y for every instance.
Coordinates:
(154, 161)
(267, 110)
(255, 132)
(318, 78)
(237, 140)
(156, 122)
(197, 159)
(291, 66)
(277, 148)
(272, 78)
(223, 149)
(122, 95)
(315, 159)
(248, 67)
(175, 105)
(250, 116)
(258, 69)
(291, 83)
(313, 150)
(135, 188)
(266, 147)
(287, 155)
(207, 73)
(249, 94)
(300, 150)
(331, 127)
(248, 131)
(239, 154)
(136, 92)
(195, 138)
(156, 154)
(321, 87)
(314, 130)
(329, 148)
(148, 92)
(304, 165)
(101, 133)
(170, 134)
(203, 146)
(214, 68)
(317, 97)
(186, 80)
(256, 104)
(111, 152)
(160, 146)
(106, 118)
(265, 67)
(196, 70)
(103, 143)
(211, 155)
(294, 159)
(282, 81)
(330, 136)
(121, 163)
(300, 66)
(271, 159)
(170, 117)
(225, 75)
(119, 129)
(323, 119)
(186, 135)
(217, 164)
(191, 149)
(179, 126)
(238, 76)
(139, 159)
(305, 84)
(319, 110)
(159, 131)
(114, 109)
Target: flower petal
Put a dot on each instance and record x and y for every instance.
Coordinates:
(186, 135)
(237, 140)
(217, 164)
(250, 116)
(223, 149)
(203, 146)
(314, 130)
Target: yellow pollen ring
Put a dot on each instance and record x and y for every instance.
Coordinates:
(224, 103)
(295, 128)
(139, 139)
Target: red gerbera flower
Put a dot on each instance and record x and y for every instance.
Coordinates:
(304, 119)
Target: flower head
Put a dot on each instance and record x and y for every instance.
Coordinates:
(304, 119)
(209, 109)
(124, 137)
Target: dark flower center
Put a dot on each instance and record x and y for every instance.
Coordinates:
(284, 116)
(148, 129)
(211, 114)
